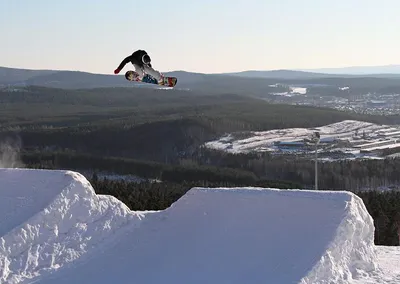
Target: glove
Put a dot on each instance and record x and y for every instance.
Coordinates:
(116, 71)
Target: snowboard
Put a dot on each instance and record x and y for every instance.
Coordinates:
(131, 75)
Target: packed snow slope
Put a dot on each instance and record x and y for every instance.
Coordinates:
(55, 229)
(51, 218)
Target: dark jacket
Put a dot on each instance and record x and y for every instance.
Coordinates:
(134, 58)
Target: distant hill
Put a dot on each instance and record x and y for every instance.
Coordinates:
(77, 80)
(59, 79)
(384, 70)
(251, 82)
(14, 75)
(279, 74)
(350, 72)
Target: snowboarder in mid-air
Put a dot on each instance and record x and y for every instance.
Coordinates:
(141, 61)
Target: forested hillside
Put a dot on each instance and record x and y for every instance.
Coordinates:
(157, 125)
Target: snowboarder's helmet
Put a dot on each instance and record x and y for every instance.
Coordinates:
(146, 59)
(130, 75)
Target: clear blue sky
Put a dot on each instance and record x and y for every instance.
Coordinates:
(207, 36)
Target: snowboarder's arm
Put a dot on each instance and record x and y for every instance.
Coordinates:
(122, 64)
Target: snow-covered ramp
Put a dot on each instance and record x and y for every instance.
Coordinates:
(49, 219)
(241, 235)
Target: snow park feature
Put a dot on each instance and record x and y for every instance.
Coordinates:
(56, 229)
(355, 139)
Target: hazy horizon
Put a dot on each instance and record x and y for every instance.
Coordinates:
(346, 70)
(206, 37)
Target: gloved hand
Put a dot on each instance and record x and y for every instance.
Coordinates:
(116, 71)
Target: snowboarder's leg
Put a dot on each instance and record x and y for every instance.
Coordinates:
(139, 70)
(154, 73)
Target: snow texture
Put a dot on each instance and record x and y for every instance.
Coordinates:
(49, 219)
(55, 229)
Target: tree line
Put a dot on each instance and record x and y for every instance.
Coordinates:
(341, 174)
